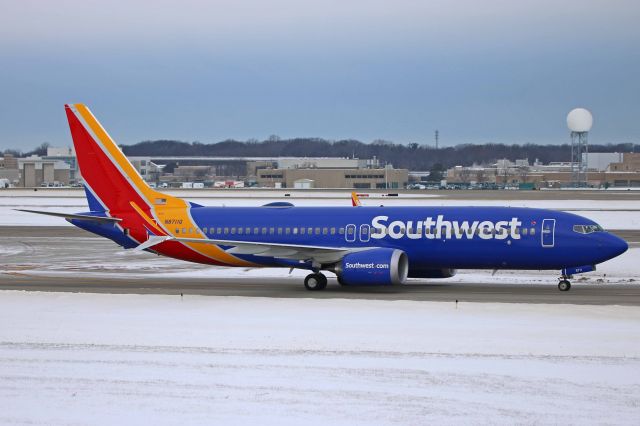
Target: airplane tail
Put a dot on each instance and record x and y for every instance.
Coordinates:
(111, 182)
(127, 210)
(355, 200)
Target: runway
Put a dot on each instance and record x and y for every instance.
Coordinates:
(71, 260)
(587, 294)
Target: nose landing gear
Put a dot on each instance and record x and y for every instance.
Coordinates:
(564, 284)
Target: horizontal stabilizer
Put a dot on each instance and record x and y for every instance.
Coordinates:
(152, 241)
(102, 219)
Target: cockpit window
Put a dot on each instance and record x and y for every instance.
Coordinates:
(587, 229)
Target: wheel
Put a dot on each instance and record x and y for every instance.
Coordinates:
(314, 282)
(323, 281)
(564, 285)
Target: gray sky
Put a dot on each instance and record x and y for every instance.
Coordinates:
(479, 71)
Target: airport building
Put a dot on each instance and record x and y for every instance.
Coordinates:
(630, 162)
(9, 174)
(354, 178)
(37, 171)
(67, 155)
(605, 170)
(282, 172)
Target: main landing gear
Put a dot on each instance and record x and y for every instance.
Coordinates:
(315, 282)
(564, 284)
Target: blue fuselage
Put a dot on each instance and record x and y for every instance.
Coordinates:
(432, 237)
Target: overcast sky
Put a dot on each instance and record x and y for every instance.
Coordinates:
(479, 71)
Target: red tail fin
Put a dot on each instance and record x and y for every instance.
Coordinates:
(105, 170)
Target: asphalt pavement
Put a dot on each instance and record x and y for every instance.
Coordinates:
(67, 259)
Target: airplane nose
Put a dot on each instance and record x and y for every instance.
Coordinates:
(615, 246)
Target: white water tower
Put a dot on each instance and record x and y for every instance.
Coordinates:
(579, 122)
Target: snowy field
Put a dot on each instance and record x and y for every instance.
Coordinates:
(115, 359)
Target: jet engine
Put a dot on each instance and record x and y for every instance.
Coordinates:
(375, 267)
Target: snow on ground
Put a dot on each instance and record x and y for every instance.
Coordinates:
(106, 359)
(94, 257)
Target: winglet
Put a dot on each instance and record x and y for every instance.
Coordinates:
(355, 200)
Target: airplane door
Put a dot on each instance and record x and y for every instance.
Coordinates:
(364, 233)
(548, 232)
(350, 234)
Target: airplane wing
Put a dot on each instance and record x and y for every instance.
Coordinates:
(319, 254)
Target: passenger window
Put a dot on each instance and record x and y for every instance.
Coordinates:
(303, 231)
(333, 231)
(350, 231)
(184, 230)
(287, 231)
(226, 231)
(218, 231)
(295, 231)
(256, 231)
(240, 231)
(264, 231)
(310, 231)
(191, 230)
(279, 231)
(247, 231)
(317, 231)
(272, 231)
(325, 231)
(177, 230)
(341, 231)
(233, 230)
(532, 231)
(525, 231)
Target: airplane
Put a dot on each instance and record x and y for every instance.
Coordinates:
(363, 246)
(355, 200)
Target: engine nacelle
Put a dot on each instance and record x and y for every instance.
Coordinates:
(380, 266)
(432, 273)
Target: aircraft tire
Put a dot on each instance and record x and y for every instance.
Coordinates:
(315, 282)
(564, 285)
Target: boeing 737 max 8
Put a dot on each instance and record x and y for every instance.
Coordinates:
(364, 246)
